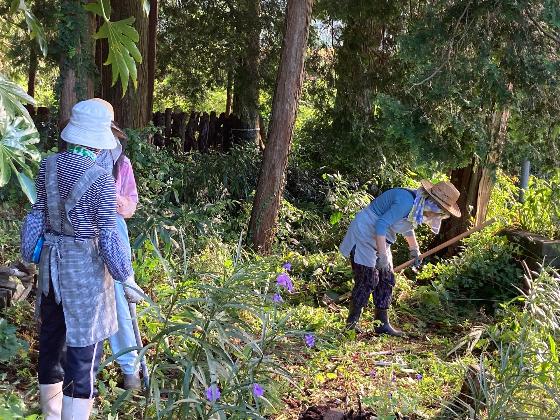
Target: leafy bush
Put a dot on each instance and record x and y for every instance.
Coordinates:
(214, 337)
(10, 345)
(484, 270)
(13, 407)
(540, 212)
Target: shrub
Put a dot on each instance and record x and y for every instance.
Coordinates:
(10, 345)
(213, 343)
(485, 269)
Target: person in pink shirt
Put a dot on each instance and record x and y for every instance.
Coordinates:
(116, 162)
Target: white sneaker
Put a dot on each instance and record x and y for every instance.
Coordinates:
(76, 408)
(51, 400)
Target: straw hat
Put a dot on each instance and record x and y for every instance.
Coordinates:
(445, 194)
(90, 125)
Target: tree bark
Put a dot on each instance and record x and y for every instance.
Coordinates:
(270, 188)
(246, 88)
(498, 134)
(476, 181)
(229, 93)
(151, 57)
(131, 110)
(466, 180)
(76, 73)
(32, 70)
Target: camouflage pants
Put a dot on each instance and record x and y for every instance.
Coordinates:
(368, 280)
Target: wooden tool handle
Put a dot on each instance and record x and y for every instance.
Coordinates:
(445, 244)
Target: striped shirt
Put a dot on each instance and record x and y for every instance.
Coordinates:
(93, 216)
(94, 211)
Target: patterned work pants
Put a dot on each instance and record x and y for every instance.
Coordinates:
(368, 280)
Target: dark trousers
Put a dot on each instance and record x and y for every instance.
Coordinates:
(368, 280)
(76, 366)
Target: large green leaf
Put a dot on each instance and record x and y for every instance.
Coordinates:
(27, 186)
(5, 169)
(122, 38)
(12, 100)
(35, 30)
(17, 137)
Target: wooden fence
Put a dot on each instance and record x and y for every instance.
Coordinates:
(200, 131)
(179, 131)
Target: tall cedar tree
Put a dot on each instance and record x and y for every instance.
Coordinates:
(289, 82)
(132, 110)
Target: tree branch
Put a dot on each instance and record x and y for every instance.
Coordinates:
(449, 50)
(552, 36)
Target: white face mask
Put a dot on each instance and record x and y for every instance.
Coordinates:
(435, 222)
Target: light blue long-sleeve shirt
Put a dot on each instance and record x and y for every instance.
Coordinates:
(390, 207)
(385, 216)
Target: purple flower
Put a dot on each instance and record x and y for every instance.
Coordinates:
(287, 266)
(419, 376)
(373, 373)
(393, 377)
(310, 340)
(258, 391)
(277, 298)
(390, 395)
(213, 393)
(284, 281)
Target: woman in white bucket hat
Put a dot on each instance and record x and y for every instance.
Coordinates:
(371, 234)
(80, 255)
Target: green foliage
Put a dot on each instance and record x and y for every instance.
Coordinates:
(484, 270)
(214, 329)
(540, 212)
(13, 407)
(17, 138)
(122, 38)
(10, 345)
(519, 368)
(35, 30)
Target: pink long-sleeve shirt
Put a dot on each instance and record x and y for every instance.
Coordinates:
(127, 193)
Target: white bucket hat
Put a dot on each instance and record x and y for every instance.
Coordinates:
(90, 125)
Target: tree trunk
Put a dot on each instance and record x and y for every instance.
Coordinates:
(498, 132)
(270, 188)
(75, 82)
(229, 93)
(246, 89)
(32, 70)
(466, 180)
(131, 110)
(151, 57)
(476, 181)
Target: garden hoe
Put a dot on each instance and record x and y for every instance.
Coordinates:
(430, 252)
(145, 374)
(444, 245)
